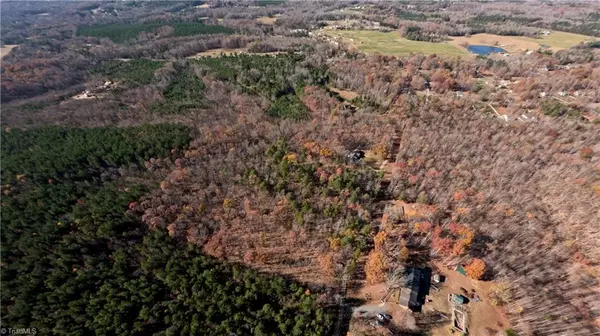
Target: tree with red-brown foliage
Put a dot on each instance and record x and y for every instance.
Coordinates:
(476, 269)
(375, 268)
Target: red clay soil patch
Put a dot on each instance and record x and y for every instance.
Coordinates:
(372, 295)
(482, 315)
(348, 95)
(415, 210)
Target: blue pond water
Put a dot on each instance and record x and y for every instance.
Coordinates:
(484, 50)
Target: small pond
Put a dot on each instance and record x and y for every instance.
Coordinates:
(484, 50)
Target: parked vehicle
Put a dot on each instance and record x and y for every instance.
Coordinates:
(376, 323)
(384, 317)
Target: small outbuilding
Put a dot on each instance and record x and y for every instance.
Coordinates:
(461, 270)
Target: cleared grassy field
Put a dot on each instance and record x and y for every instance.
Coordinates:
(346, 94)
(266, 20)
(508, 43)
(558, 40)
(514, 44)
(392, 43)
(5, 50)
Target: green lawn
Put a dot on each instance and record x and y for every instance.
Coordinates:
(557, 39)
(392, 43)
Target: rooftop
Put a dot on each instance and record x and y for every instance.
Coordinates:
(416, 287)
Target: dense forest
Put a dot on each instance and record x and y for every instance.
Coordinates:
(122, 32)
(132, 73)
(280, 79)
(79, 260)
(210, 167)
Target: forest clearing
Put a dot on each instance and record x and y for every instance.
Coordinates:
(346, 94)
(508, 43)
(558, 40)
(515, 44)
(391, 43)
(483, 317)
(5, 49)
(267, 20)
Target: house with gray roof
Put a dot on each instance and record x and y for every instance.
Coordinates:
(417, 282)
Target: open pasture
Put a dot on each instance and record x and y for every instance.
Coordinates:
(391, 43)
